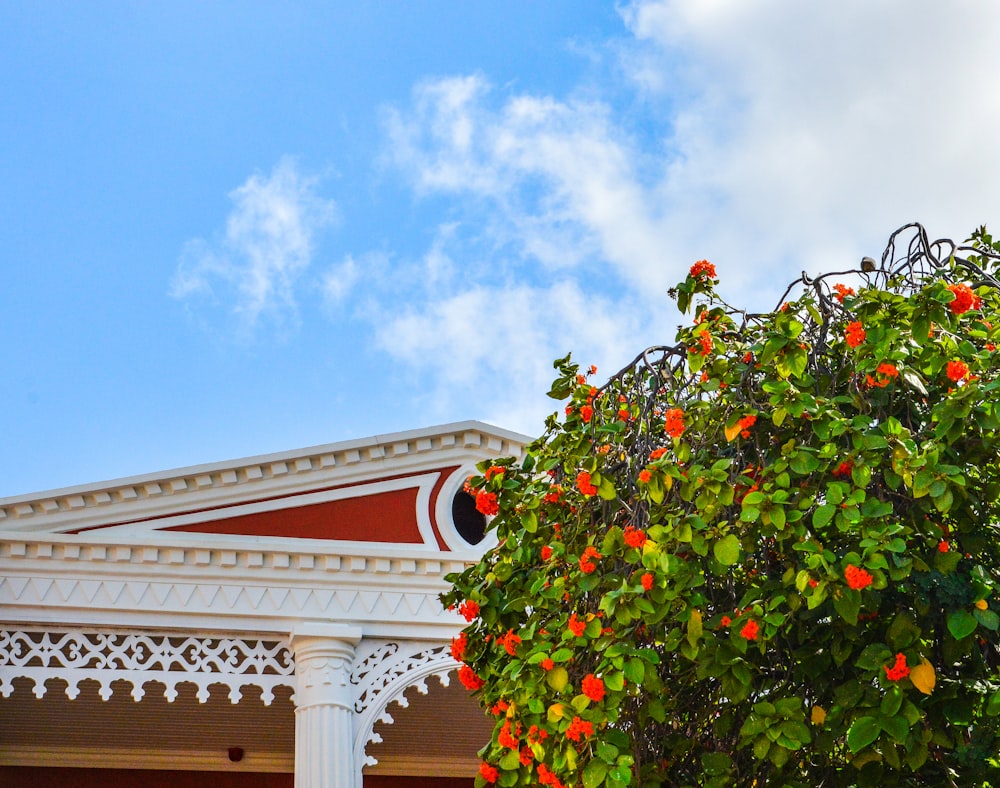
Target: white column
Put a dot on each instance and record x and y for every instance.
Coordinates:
(324, 705)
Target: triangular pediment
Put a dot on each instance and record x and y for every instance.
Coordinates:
(396, 489)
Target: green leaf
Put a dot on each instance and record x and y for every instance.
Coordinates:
(863, 732)
(961, 624)
(897, 727)
(823, 514)
(987, 618)
(848, 605)
(715, 763)
(727, 550)
(594, 773)
(557, 678)
(606, 489)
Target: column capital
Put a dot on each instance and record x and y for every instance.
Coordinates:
(310, 631)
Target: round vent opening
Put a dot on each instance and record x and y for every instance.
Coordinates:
(469, 522)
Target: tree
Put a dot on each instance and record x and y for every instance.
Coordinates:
(767, 554)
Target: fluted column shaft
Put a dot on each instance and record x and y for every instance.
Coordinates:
(324, 705)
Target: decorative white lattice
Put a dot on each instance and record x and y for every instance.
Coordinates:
(106, 657)
(382, 676)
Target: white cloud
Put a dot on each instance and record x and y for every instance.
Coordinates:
(268, 243)
(490, 348)
(773, 136)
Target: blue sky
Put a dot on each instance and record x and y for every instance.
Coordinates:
(236, 228)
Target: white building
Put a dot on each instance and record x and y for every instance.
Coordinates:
(233, 624)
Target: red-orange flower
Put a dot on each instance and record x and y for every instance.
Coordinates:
(510, 642)
(546, 553)
(897, 671)
(499, 707)
(857, 578)
(956, 370)
(548, 777)
(704, 344)
(634, 537)
(943, 546)
(526, 756)
(547, 664)
(844, 469)
(673, 422)
(703, 267)
(725, 621)
(745, 424)
(655, 454)
(458, 646)
(645, 476)
(576, 625)
(647, 581)
(489, 773)
(854, 334)
(842, 291)
(750, 630)
(579, 728)
(468, 610)
(469, 678)
(586, 412)
(506, 737)
(586, 565)
(493, 470)
(486, 502)
(583, 483)
(553, 495)
(965, 299)
(592, 687)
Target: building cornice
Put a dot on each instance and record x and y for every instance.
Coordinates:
(217, 585)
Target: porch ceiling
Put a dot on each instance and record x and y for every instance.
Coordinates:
(437, 734)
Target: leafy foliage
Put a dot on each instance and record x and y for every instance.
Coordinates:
(765, 555)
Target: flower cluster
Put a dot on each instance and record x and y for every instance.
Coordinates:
(647, 581)
(576, 625)
(579, 728)
(586, 565)
(745, 424)
(965, 299)
(489, 773)
(897, 671)
(842, 291)
(584, 485)
(592, 687)
(886, 374)
(548, 777)
(857, 578)
(956, 371)
(510, 642)
(704, 343)
(508, 738)
(703, 268)
(468, 610)
(673, 422)
(458, 646)
(844, 469)
(469, 678)
(750, 630)
(634, 537)
(854, 334)
(486, 503)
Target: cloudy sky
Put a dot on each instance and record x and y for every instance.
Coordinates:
(236, 228)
